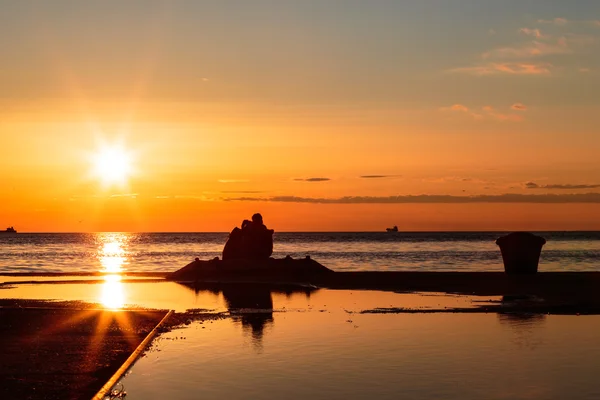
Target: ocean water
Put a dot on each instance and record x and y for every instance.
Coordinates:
(359, 251)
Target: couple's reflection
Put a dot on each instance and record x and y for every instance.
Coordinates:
(250, 304)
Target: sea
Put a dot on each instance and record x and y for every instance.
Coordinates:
(341, 251)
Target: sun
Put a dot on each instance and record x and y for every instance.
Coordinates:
(112, 165)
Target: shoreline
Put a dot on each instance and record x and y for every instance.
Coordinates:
(555, 292)
(470, 283)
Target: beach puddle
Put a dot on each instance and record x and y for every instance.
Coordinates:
(113, 292)
(325, 355)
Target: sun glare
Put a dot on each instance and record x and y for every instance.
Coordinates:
(113, 295)
(111, 252)
(112, 165)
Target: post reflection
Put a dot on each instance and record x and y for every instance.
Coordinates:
(251, 305)
(526, 327)
(113, 257)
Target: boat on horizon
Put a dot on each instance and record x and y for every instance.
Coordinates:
(10, 229)
(394, 229)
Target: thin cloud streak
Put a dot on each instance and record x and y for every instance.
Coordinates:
(533, 185)
(556, 21)
(532, 32)
(434, 199)
(242, 191)
(233, 181)
(312, 179)
(529, 50)
(488, 113)
(506, 68)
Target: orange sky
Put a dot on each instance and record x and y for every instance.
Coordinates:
(301, 113)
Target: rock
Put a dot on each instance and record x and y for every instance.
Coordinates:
(271, 269)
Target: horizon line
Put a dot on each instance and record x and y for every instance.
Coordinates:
(367, 231)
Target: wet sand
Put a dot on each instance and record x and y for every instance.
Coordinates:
(67, 350)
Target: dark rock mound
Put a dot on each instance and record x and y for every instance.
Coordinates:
(269, 270)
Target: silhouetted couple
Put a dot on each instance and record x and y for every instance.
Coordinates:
(253, 241)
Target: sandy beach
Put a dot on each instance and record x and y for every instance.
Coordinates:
(68, 350)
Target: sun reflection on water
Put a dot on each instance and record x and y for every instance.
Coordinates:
(113, 293)
(111, 252)
(112, 256)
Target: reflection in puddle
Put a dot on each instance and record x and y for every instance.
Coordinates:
(113, 257)
(250, 305)
(526, 327)
(413, 356)
(113, 293)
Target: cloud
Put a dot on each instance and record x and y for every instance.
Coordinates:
(446, 179)
(529, 57)
(519, 107)
(194, 197)
(456, 107)
(242, 191)
(535, 48)
(233, 180)
(488, 113)
(506, 68)
(555, 21)
(523, 68)
(459, 108)
(532, 32)
(377, 176)
(312, 179)
(434, 199)
(533, 185)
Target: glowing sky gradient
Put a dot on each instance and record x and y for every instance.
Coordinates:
(322, 115)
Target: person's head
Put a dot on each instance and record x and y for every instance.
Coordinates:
(257, 218)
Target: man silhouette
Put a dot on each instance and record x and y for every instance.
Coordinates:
(257, 240)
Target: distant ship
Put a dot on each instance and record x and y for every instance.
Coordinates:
(394, 229)
(9, 230)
